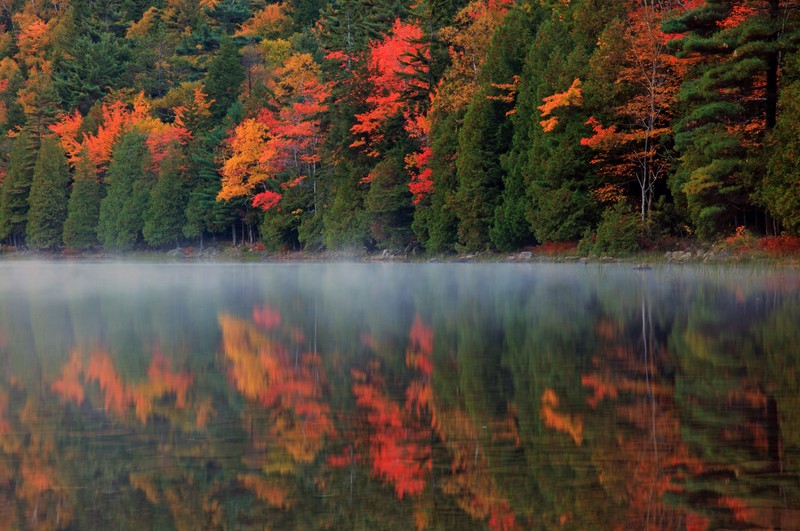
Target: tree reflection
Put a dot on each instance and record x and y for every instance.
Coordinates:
(639, 402)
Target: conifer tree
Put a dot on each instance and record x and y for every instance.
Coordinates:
(90, 69)
(83, 209)
(224, 78)
(780, 192)
(48, 196)
(729, 102)
(388, 203)
(164, 218)
(16, 187)
(486, 134)
(122, 209)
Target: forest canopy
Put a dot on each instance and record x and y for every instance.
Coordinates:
(444, 125)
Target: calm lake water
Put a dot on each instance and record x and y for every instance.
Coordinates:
(398, 396)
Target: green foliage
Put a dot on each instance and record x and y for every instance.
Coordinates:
(123, 208)
(499, 179)
(618, 231)
(16, 187)
(164, 218)
(780, 191)
(90, 69)
(552, 166)
(224, 78)
(388, 203)
(719, 171)
(83, 209)
(48, 197)
(345, 220)
(486, 136)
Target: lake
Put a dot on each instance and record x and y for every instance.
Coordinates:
(398, 396)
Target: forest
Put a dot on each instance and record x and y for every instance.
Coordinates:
(443, 125)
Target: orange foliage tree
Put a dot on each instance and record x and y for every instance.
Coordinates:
(278, 148)
(398, 67)
(649, 78)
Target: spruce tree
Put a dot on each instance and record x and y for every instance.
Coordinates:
(83, 210)
(48, 196)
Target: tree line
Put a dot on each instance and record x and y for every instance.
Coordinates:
(443, 124)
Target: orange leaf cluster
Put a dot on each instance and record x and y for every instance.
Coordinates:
(392, 75)
(69, 386)
(572, 97)
(278, 142)
(269, 21)
(739, 14)
(117, 117)
(571, 424)
(119, 396)
(421, 183)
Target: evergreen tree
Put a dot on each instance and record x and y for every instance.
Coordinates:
(83, 210)
(203, 212)
(90, 69)
(48, 196)
(550, 162)
(164, 218)
(729, 101)
(388, 203)
(486, 134)
(224, 78)
(122, 209)
(16, 187)
(780, 192)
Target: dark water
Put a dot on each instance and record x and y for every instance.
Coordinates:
(398, 397)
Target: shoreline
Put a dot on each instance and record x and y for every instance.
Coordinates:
(697, 255)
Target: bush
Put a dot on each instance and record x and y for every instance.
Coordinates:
(618, 231)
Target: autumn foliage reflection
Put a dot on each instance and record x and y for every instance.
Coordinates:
(288, 387)
(118, 395)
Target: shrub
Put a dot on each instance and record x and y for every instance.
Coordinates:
(618, 231)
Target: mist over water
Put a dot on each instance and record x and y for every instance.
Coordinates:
(389, 396)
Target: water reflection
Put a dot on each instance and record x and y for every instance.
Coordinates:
(398, 396)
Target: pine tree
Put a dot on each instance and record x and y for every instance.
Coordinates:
(224, 78)
(83, 210)
(91, 68)
(48, 196)
(729, 102)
